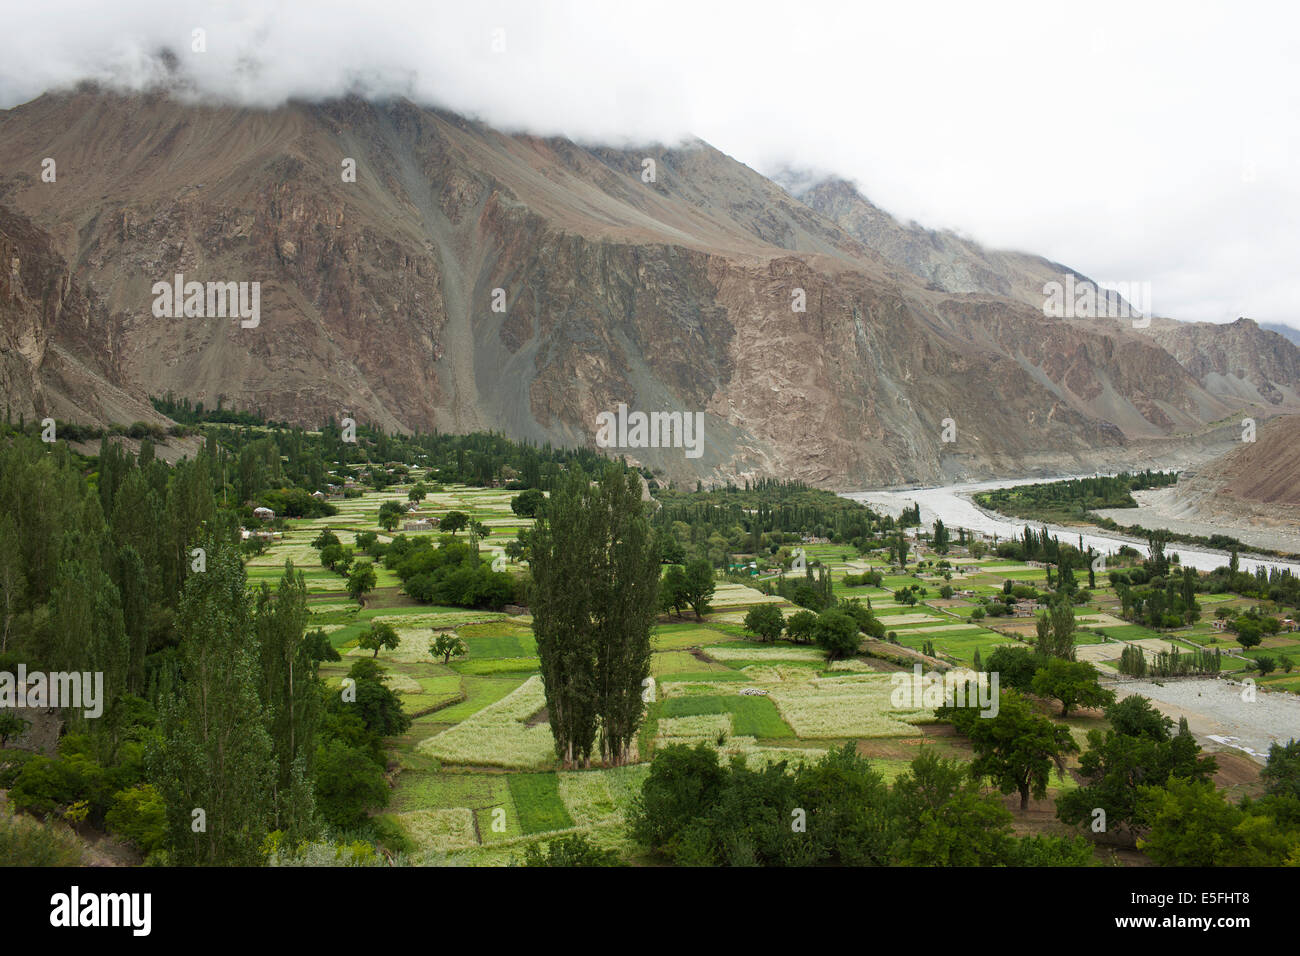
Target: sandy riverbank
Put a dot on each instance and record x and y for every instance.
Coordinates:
(1168, 508)
(1218, 715)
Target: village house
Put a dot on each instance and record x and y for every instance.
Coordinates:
(263, 514)
(421, 524)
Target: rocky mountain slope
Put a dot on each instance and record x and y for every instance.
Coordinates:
(945, 260)
(1251, 491)
(378, 299)
(1263, 472)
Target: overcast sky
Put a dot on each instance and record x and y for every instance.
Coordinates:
(1133, 141)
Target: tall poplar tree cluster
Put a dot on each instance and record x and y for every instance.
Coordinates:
(595, 567)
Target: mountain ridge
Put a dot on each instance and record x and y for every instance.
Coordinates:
(672, 294)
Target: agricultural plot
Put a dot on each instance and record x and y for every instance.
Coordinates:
(778, 652)
(669, 637)
(499, 735)
(960, 646)
(837, 707)
(746, 716)
(902, 620)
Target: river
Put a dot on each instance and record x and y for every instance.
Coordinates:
(952, 504)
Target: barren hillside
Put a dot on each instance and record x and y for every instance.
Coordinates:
(378, 301)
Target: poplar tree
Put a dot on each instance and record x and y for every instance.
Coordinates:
(595, 567)
(216, 767)
(627, 605)
(566, 546)
(292, 700)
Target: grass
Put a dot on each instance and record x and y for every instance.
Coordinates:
(538, 802)
(497, 735)
(753, 716)
(480, 692)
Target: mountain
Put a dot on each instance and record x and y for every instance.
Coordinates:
(946, 261)
(1264, 471)
(378, 299)
(1254, 487)
(1283, 330)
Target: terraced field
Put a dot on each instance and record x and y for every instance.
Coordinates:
(476, 776)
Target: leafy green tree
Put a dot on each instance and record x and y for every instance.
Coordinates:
(528, 504)
(379, 708)
(700, 586)
(671, 550)
(1281, 773)
(765, 621)
(945, 820)
(135, 587)
(348, 782)
(454, 521)
(1073, 683)
(683, 784)
(448, 646)
(13, 580)
(673, 589)
(1138, 750)
(837, 633)
(801, 627)
(87, 633)
(1135, 717)
(139, 815)
(941, 537)
(848, 806)
(379, 636)
(361, 580)
(1016, 749)
(862, 615)
(390, 513)
(1056, 632)
(12, 726)
(318, 647)
(325, 539)
(1192, 824)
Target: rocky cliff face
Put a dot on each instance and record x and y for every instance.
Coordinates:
(58, 346)
(944, 260)
(1238, 358)
(470, 279)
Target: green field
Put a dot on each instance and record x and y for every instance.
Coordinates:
(478, 778)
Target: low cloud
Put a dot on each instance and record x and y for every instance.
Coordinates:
(1155, 143)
